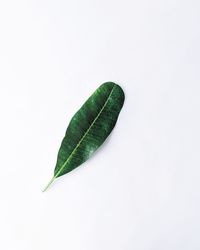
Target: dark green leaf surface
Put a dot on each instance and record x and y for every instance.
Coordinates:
(89, 128)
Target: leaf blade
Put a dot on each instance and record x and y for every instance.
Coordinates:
(89, 127)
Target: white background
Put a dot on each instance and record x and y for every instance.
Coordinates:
(142, 189)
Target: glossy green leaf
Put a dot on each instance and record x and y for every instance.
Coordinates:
(89, 128)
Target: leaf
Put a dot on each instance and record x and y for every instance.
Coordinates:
(89, 128)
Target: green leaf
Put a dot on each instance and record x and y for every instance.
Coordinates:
(89, 128)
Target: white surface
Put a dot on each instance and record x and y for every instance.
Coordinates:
(142, 190)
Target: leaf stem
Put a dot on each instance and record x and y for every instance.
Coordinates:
(48, 185)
